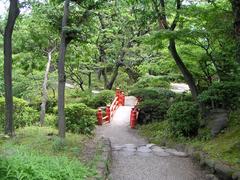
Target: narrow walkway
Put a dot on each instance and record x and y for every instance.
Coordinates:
(134, 159)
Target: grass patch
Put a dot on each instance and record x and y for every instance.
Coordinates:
(37, 153)
(225, 147)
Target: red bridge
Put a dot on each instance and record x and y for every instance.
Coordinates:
(123, 107)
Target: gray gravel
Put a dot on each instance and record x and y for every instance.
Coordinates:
(135, 159)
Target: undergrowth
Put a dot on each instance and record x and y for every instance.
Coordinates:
(37, 153)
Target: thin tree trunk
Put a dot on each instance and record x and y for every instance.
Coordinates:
(113, 78)
(61, 73)
(44, 89)
(12, 16)
(236, 13)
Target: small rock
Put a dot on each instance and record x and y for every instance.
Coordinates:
(223, 171)
(157, 149)
(236, 175)
(176, 153)
(211, 177)
(150, 145)
(144, 149)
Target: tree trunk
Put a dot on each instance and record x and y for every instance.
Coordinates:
(113, 78)
(61, 73)
(236, 13)
(185, 72)
(44, 89)
(12, 16)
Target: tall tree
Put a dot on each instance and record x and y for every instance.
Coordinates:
(160, 9)
(12, 16)
(61, 72)
(236, 13)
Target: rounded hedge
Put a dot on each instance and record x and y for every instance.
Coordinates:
(183, 118)
(80, 118)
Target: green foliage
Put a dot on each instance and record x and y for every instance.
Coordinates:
(36, 153)
(23, 114)
(59, 144)
(154, 103)
(152, 81)
(103, 98)
(157, 132)
(222, 95)
(183, 119)
(51, 103)
(51, 120)
(25, 165)
(80, 118)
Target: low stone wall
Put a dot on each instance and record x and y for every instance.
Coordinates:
(105, 158)
(216, 169)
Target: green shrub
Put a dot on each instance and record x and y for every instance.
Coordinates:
(153, 110)
(152, 93)
(23, 114)
(183, 118)
(80, 118)
(51, 120)
(157, 132)
(222, 95)
(51, 103)
(152, 81)
(154, 103)
(102, 99)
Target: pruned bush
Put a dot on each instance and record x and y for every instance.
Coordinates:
(80, 118)
(102, 99)
(183, 118)
(145, 93)
(152, 81)
(23, 114)
(154, 103)
(222, 95)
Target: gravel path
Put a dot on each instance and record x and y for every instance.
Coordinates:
(135, 159)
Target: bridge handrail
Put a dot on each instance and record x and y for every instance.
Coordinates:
(110, 110)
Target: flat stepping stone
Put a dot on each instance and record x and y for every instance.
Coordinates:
(130, 146)
(157, 149)
(150, 145)
(161, 153)
(176, 153)
(117, 148)
(129, 149)
(144, 149)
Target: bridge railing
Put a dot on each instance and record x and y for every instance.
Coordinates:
(134, 115)
(119, 100)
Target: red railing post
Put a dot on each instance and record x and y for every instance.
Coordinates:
(133, 118)
(108, 113)
(117, 93)
(99, 116)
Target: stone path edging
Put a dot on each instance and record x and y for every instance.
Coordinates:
(105, 158)
(217, 169)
